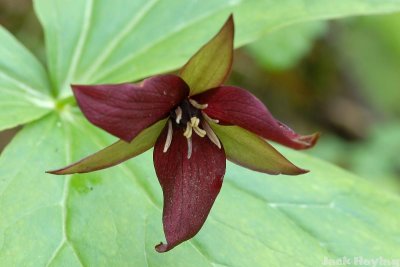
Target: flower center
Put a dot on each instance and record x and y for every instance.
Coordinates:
(189, 117)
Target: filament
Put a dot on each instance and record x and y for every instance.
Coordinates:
(169, 137)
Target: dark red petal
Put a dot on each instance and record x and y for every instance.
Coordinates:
(124, 110)
(190, 186)
(233, 105)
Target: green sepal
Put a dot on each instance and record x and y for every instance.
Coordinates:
(248, 150)
(116, 153)
(211, 65)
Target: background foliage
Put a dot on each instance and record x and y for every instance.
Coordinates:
(314, 74)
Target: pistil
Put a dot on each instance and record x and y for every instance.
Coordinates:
(189, 115)
(178, 113)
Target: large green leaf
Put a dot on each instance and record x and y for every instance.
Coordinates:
(93, 41)
(24, 88)
(113, 217)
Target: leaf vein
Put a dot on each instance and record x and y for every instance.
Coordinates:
(80, 44)
(155, 43)
(118, 39)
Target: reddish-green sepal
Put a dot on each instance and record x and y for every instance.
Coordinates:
(211, 65)
(115, 153)
(248, 150)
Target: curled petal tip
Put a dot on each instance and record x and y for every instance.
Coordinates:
(161, 248)
(309, 140)
(236, 106)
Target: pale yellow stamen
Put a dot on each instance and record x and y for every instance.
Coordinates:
(200, 132)
(169, 137)
(210, 133)
(208, 118)
(193, 125)
(178, 112)
(194, 121)
(197, 105)
(188, 131)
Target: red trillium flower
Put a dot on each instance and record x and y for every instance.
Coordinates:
(194, 123)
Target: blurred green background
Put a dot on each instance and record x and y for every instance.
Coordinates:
(341, 78)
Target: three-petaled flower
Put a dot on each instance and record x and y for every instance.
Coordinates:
(194, 124)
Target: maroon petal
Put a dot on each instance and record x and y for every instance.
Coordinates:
(233, 105)
(190, 186)
(124, 110)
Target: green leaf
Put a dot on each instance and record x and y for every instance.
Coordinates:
(24, 90)
(250, 151)
(148, 37)
(211, 65)
(283, 49)
(113, 217)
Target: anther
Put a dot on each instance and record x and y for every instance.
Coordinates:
(200, 132)
(197, 105)
(194, 121)
(189, 144)
(205, 116)
(188, 131)
(169, 137)
(210, 133)
(178, 112)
